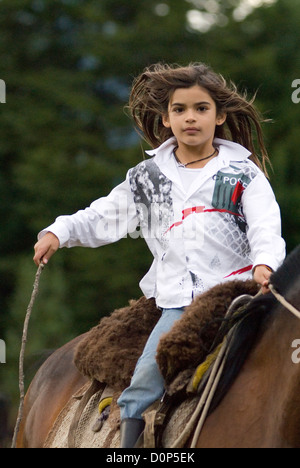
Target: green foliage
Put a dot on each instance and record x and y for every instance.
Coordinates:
(65, 140)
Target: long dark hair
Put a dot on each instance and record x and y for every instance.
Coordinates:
(152, 90)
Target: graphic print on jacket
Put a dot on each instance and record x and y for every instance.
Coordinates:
(228, 193)
(231, 229)
(152, 196)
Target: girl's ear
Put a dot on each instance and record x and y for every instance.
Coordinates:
(165, 121)
(221, 119)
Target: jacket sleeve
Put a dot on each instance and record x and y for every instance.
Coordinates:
(263, 218)
(107, 220)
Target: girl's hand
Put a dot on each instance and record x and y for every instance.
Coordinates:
(262, 275)
(45, 248)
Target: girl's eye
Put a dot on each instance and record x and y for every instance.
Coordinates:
(202, 109)
(178, 110)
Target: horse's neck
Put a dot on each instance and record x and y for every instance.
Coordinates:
(289, 336)
(279, 374)
(275, 346)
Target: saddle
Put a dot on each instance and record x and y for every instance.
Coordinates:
(109, 352)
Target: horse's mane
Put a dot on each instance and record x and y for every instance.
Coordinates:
(253, 323)
(250, 327)
(288, 274)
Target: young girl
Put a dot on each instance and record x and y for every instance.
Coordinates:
(202, 201)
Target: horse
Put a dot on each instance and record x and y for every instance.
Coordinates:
(257, 404)
(50, 390)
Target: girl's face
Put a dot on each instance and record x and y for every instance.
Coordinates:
(192, 117)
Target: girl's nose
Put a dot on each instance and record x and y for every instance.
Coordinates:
(190, 117)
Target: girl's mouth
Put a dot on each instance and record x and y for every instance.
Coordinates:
(191, 130)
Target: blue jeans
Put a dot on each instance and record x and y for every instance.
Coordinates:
(147, 384)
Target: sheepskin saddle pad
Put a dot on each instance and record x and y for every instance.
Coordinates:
(109, 352)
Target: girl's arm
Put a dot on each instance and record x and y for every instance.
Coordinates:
(263, 218)
(107, 220)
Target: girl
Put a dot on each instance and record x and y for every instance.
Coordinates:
(202, 201)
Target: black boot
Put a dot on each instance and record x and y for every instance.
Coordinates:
(131, 429)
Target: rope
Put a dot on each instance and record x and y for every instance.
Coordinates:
(284, 302)
(211, 394)
(22, 352)
(234, 309)
(206, 397)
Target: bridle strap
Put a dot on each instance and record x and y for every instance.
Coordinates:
(284, 302)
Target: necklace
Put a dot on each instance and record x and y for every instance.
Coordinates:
(192, 162)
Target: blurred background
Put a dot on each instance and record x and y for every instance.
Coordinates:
(65, 140)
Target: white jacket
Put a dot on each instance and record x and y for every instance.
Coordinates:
(226, 224)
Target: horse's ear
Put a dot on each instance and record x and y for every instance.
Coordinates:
(289, 272)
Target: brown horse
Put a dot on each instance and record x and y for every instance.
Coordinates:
(258, 404)
(52, 387)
